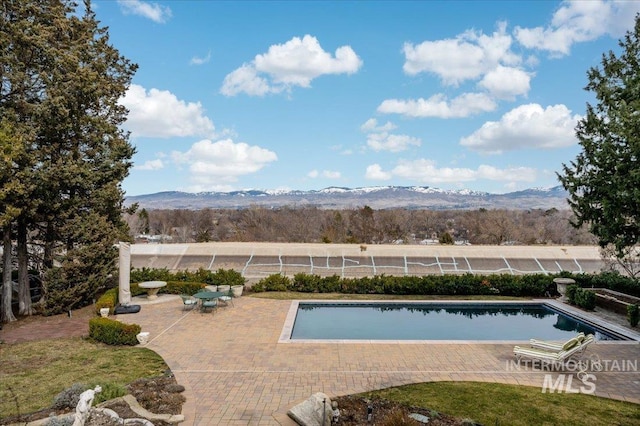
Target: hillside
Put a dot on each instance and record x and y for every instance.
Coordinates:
(414, 197)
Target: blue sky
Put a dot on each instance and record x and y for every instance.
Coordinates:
(304, 95)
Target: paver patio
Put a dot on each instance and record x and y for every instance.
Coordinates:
(236, 373)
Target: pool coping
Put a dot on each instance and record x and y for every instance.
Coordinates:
(287, 328)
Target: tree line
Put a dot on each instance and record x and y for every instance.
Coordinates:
(359, 226)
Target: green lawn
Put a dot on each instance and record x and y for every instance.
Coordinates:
(498, 404)
(33, 373)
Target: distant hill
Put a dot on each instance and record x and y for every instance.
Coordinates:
(380, 197)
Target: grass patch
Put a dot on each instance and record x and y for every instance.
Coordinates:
(494, 403)
(33, 373)
(292, 295)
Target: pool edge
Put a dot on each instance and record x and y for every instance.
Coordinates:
(285, 335)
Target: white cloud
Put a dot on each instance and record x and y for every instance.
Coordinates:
(371, 125)
(468, 56)
(151, 165)
(425, 171)
(375, 172)
(379, 138)
(327, 174)
(153, 11)
(294, 63)
(580, 21)
(527, 126)
(506, 82)
(392, 143)
(160, 114)
(245, 79)
(216, 165)
(439, 106)
(196, 60)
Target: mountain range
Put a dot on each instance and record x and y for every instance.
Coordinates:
(379, 197)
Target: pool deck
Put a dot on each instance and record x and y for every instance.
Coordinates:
(236, 373)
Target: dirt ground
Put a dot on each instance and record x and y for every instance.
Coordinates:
(354, 411)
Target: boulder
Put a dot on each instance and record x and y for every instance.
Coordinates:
(315, 411)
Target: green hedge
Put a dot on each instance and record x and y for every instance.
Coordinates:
(108, 300)
(113, 332)
(535, 285)
(219, 277)
(172, 287)
(611, 280)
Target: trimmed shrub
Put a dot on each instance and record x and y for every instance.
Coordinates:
(229, 277)
(571, 292)
(113, 332)
(177, 287)
(108, 300)
(586, 299)
(274, 282)
(150, 274)
(633, 314)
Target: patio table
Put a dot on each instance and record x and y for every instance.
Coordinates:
(207, 295)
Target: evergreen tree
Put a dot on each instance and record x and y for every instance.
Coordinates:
(62, 79)
(604, 180)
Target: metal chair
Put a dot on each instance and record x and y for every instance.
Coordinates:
(188, 302)
(209, 305)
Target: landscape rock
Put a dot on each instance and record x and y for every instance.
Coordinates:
(315, 411)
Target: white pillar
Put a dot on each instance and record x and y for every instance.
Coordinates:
(124, 294)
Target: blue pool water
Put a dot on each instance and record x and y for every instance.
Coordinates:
(415, 321)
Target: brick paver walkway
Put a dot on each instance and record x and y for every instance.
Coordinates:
(236, 372)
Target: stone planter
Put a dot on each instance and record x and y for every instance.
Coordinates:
(561, 284)
(143, 337)
(224, 288)
(104, 312)
(237, 290)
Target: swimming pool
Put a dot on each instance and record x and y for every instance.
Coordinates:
(437, 321)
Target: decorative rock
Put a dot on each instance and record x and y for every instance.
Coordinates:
(143, 422)
(419, 417)
(143, 337)
(317, 410)
(109, 412)
(139, 410)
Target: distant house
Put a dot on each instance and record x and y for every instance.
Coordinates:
(153, 239)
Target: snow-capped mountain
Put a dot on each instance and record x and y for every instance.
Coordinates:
(379, 197)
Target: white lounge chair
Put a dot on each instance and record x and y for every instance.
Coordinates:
(552, 345)
(569, 349)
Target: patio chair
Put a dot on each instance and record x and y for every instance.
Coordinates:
(227, 298)
(188, 302)
(569, 349)
(553, 345)
(209, 305)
